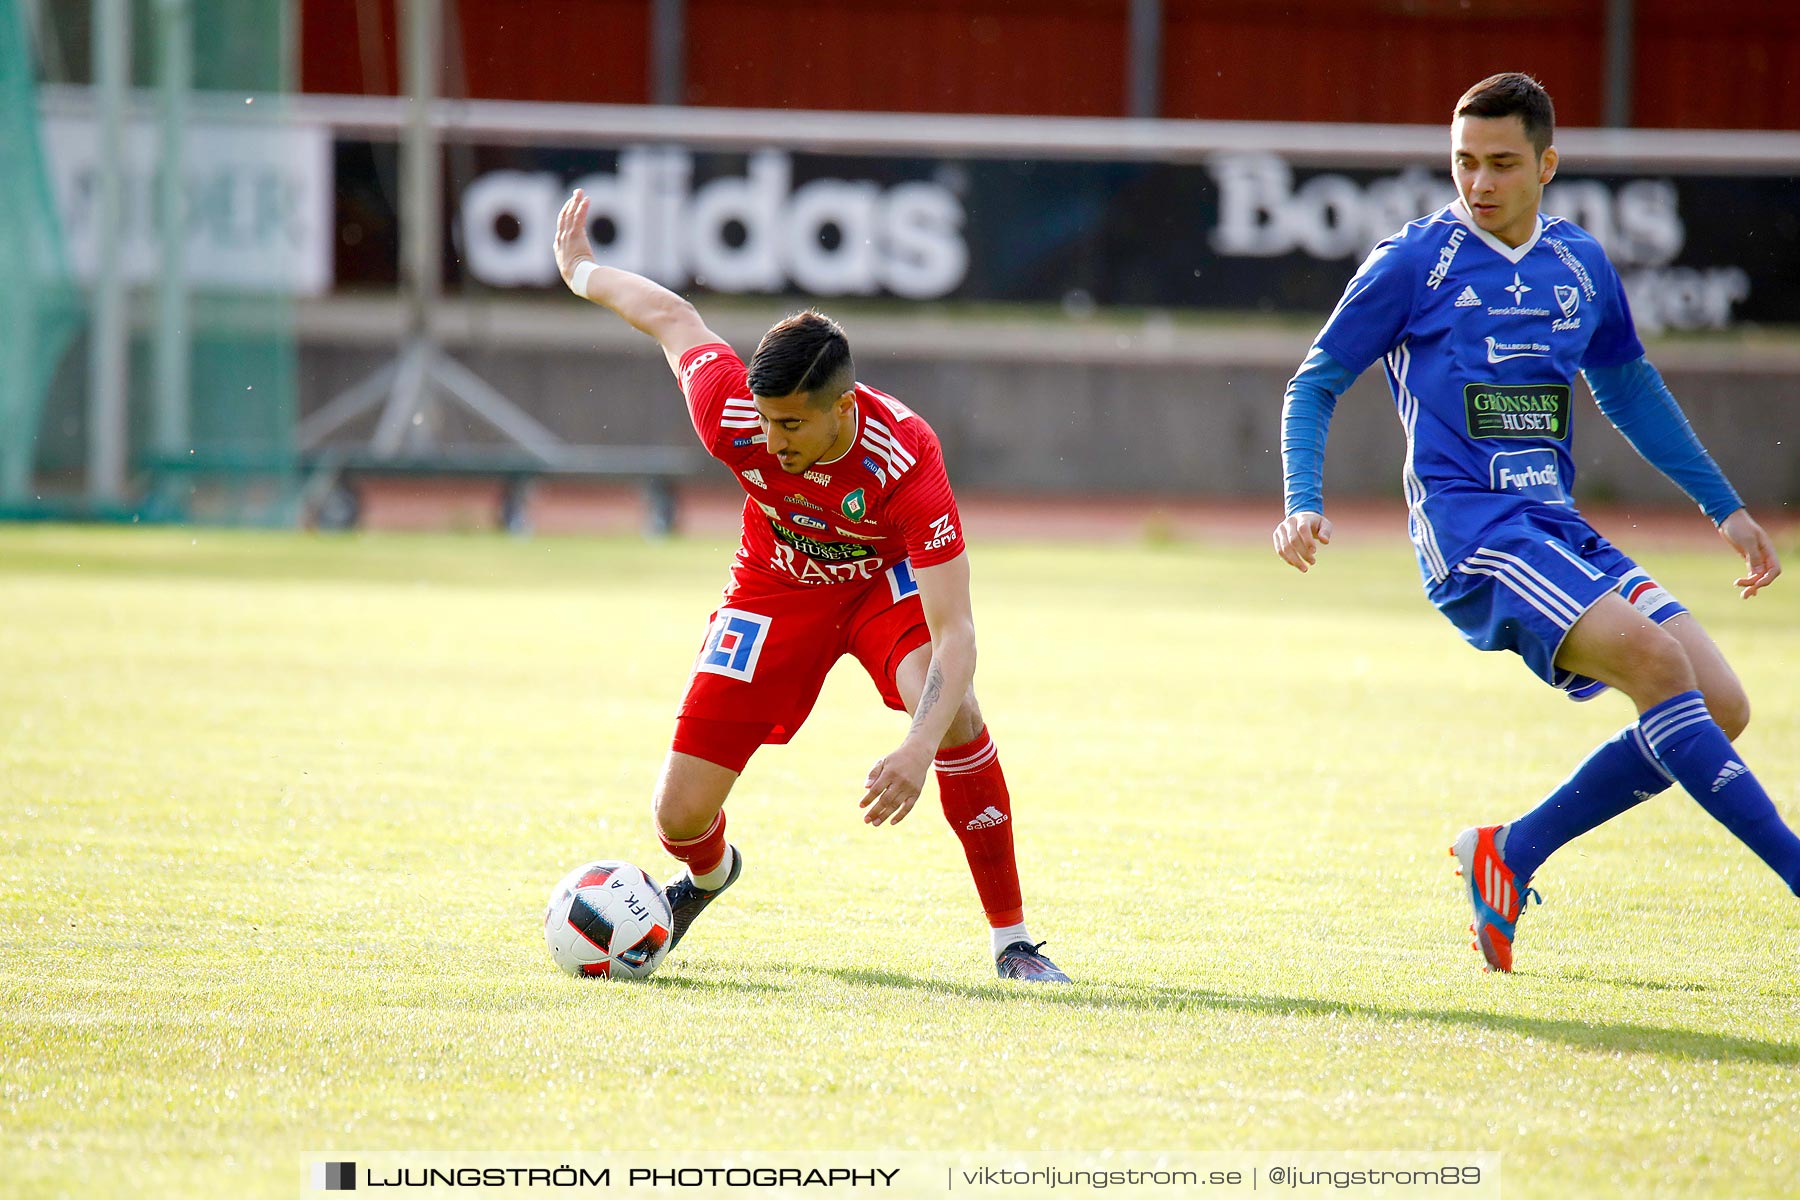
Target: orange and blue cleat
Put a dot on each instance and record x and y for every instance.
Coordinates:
(1495, 896)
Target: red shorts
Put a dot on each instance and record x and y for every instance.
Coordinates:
(767, 652)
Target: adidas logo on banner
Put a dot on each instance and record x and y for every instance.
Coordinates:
(1730, 771)
(1468, 299)
(987, 819)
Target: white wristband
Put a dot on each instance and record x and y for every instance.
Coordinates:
(578, 281)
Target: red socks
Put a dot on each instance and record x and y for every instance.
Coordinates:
(976, 804)
(704, 853)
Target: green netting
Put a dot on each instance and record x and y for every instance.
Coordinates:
(233, 455)
(40, 310)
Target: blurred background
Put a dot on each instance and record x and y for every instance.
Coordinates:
(288, 261)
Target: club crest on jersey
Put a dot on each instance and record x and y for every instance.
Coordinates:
(856, 505)
(754, 476)
(1568, 298)
(818, 477)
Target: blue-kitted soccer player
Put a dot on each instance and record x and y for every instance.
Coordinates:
(1483, 312)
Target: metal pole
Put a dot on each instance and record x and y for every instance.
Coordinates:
(668, 52)
(1143, 62)
(175, 32)
(1621, 53)
(421, 200)
(108, 347)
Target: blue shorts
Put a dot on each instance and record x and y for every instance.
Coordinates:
(1526, 583)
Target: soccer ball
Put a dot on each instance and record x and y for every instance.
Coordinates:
(608, 919)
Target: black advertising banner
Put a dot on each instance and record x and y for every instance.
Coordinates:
(1242, 231)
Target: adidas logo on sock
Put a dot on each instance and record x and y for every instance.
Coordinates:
(1730, 771)
(1468, 299)
(987, 819)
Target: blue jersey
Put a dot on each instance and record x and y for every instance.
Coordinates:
(1482, 342)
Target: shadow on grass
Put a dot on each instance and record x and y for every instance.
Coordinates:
(1620, 1037)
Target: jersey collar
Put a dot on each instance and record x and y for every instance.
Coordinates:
(1512, 254)
(855, 437)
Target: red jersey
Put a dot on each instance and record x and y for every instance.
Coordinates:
(883, 500)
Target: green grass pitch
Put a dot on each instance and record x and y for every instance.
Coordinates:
(279, 814)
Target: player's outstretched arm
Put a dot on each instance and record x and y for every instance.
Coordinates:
(1298, 538)
(646, 305)
(1305, 418)
(1761, 563)
(895, 781)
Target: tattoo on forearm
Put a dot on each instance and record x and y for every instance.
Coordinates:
(934, 687)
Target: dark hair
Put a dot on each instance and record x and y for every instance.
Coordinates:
(1511, 94)
(807, 352)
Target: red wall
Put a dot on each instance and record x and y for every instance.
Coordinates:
(592, 51)
(1063, 57)
(1374, 60)
(1698, 63)
(1717, 64)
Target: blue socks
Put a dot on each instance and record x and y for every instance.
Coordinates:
(1686, 740)
(1675, 741)
(1621, 774)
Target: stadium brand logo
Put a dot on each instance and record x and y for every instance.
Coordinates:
(1445, 257)
(1501, 351)
(1467, 298)
(1529, 411)
(757, 232)
(754, 475)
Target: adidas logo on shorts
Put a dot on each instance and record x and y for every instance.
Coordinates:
(987, 819)
(1468, 299)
